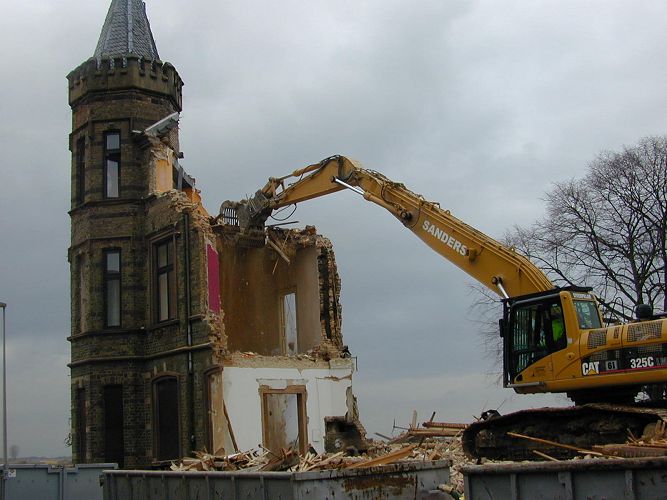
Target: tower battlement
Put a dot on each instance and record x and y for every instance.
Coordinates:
(110, 74)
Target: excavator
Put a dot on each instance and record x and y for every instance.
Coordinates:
(554, 339)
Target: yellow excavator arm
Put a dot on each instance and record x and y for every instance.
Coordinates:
(499, 268)
(553, 338)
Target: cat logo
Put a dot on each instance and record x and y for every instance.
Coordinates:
(591, 368)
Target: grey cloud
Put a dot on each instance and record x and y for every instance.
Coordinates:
(478, 105)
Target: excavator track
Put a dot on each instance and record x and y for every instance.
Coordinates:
(581, 426)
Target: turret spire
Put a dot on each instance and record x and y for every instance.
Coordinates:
(126, 31)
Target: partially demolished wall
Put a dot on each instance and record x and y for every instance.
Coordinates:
(257, 274)
(305, 371)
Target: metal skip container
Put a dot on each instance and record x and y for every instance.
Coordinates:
(590, 479)
(403, 480)
(55, 482)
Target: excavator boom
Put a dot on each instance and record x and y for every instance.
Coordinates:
(553, 338)
(499, 268)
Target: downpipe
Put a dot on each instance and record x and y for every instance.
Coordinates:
(188, 306)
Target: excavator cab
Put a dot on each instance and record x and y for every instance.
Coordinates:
(534, 326)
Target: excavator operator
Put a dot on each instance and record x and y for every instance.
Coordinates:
(557, 326)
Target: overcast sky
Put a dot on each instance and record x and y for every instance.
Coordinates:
(479, 105)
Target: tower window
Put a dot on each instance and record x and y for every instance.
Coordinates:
(112, 288)
(81, 414)
(164, 281)
(80, 170)
(111, 164)
(114, 435)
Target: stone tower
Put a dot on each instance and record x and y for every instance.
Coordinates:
(151, 272)
(138, 333)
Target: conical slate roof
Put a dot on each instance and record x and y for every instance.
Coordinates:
(126, 31)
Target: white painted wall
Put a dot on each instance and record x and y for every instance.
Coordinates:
(326, 396)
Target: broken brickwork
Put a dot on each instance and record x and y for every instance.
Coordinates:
(329, 282)
(257, 269)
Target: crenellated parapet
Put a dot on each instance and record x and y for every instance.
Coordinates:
(125, 73)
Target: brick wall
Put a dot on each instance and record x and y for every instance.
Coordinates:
(139, 352)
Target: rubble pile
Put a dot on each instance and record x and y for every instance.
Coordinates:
(653, 443)
(399, 449)
(290, 460)
(433, 441)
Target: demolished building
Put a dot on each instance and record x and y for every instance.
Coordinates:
(184, 335)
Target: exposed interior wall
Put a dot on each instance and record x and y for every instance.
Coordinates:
(306, 276)
(277, 389)
(245, 380)
(254, 281)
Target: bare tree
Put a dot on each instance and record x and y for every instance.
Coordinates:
(608, 230)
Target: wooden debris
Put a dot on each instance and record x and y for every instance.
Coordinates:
(380, 453)
(284, 461)
(384, 459)
(446, 425)
(652, 444)
(434, 432)
(319, 463)
(276, 246)
(630, 451)
(206, 462)
(545, 456)
(554, 443)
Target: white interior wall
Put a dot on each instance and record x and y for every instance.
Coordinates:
(326, 396)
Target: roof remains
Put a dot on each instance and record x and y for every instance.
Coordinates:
(126, 31)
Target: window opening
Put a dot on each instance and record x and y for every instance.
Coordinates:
(80, 170)
(111, 164)
(83, 294)
(166, 419)
(112, 287)
(587, 314)
(537, 329)
(288, 323)
(81, 414)
(165, 282)
(114, 449)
